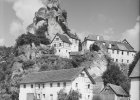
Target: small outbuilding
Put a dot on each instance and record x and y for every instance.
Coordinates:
(113, 92)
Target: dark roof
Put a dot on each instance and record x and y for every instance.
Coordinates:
(64, 38)
(94, 37)
(73, 36)
(118, 90)
(116, 45)
(53, 75)
(136, 71)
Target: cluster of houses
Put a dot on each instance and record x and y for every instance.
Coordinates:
(47, 84)
(67, 45)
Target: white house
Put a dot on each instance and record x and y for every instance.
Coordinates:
(46, 85)
(65, 43)
(121, 52)
(135, 82)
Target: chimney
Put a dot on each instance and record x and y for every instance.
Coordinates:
(98, 37)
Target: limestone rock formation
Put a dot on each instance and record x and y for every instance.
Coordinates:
(52, 17)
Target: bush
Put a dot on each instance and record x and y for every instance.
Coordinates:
(114, 75)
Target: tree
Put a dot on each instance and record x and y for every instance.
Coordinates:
(72, 95)
(132, 65)
(62, 95)
(114, 75)
(94, 47)
(28, 38)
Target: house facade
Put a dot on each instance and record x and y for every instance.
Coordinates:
(65, 43)
(46, 85)
(135, 82)
(121, 52)
(113, 92)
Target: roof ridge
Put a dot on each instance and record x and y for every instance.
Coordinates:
(56, 70)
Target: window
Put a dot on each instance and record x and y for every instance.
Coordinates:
(112, 51)
(116, 60)
(44, 95)
(38, 85)
(24, 85)
(54, 45)
(39, 96)
(51, 84)
(88, 86)
(59, 44)
(127, 61)
(58, 84)
(51, 96)
(127, 53)
(76, 85)
(66, 50)
(88, 96)
(122, 52)
(31, 85)
(43, 85)
(57, 39)
(64, 84)
(82, 74)
(117, 51)
(59, 50)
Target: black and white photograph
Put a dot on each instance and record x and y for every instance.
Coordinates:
(69, 50)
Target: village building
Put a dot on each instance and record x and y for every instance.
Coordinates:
(113, 92)
(135, 82)
(121, 52)
(46, 85)
(65, 44)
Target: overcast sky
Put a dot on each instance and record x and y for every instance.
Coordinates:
(114, 19)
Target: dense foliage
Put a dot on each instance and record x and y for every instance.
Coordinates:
(94, 47)
(114, 75)
(72, 95)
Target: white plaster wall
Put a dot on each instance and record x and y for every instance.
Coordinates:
(83, 86)
(119, 56)
(135, 89)
(75, 45)
(63, 50)
(47, 90)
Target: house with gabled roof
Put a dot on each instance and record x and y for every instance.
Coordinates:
(113, 92)
(120, 51)
(65, 43)
(45, 85)
(135, 82)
